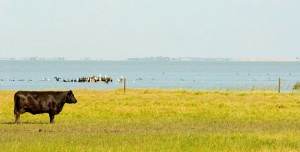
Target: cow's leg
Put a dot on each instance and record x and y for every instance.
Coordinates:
(17, 117)
(51, 118)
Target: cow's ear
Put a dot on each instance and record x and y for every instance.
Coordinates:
(70, 92)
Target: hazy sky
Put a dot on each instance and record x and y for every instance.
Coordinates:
(118, 29)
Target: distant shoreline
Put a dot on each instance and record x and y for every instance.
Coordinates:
(167, 59)
(268, 60)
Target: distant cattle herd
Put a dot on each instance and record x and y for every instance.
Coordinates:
(88, 79)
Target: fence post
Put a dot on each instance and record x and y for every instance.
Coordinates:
(124, 85)
(279, 85)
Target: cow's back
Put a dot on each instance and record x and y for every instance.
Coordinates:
(41, 93)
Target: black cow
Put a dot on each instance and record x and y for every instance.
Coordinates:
(36, 102)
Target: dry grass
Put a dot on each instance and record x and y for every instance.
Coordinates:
(158, 120)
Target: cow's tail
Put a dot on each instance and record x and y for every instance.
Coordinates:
(16, 98)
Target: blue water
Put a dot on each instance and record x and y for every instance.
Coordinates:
(198, 75)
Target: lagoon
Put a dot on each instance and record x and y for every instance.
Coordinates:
(193, 75)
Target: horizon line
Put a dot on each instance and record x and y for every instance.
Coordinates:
(159, 58)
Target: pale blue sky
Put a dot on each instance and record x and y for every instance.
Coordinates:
(119, 29)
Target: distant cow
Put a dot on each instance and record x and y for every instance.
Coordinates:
(36, 102)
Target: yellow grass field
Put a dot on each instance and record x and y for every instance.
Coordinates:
(158, 120)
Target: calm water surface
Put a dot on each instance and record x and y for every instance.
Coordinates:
(201, 75)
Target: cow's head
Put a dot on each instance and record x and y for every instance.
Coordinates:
(70, 97)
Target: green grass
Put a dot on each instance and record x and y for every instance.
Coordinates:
(158, 120)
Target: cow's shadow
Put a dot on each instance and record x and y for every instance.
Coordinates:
(25, 122)
(7, 123)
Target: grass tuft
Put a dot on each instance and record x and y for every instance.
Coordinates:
(296, 86)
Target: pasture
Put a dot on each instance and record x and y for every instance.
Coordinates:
(158, 120)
